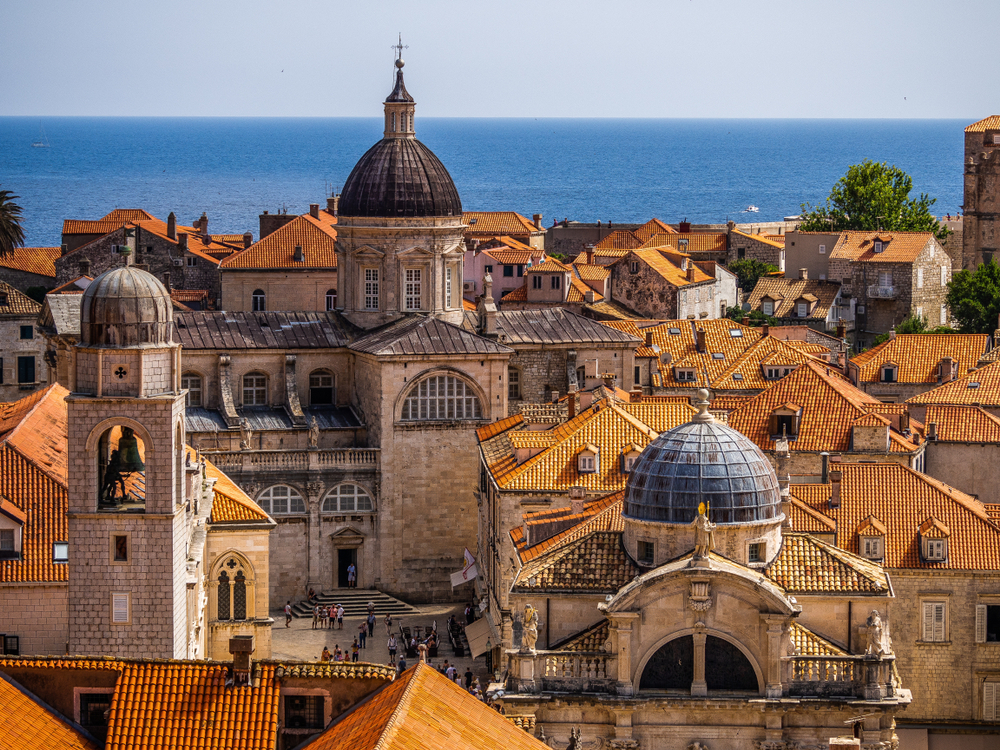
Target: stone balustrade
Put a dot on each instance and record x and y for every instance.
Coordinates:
(563, 671)
(848, 676)
(296, 460)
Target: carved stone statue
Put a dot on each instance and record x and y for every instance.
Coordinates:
(314, 434)
(530, 633)
(246, 434)
(704, 534)
(876, 635)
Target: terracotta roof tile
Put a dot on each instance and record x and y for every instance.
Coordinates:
(26, 722)
(508, 257)
(766, 239)
(620, 239)
(591, 640)
(37, 260)
(918, 356)
(963, 424)
(669, 271)
(497, 223)
(901, 499)
(898, 247)
(335, 670)
(651, 227)
(16, 302)
(109, 223)
(76, 286)
(316, 237)
(491, 430)
(787, 292)
(748, 371)
(591, 271)
(987, 123)
(594, 561)
(981, 387)
(807, 643)
(693, 243)
(807, 519)
(231, 504)
(808, 566)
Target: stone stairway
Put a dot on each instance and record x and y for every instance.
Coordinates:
(355, 603)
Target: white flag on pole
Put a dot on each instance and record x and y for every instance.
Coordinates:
(467, 573)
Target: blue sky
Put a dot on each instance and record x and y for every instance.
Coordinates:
(514, 58)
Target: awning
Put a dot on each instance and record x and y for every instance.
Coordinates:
(478, 633)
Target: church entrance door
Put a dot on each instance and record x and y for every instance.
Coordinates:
(345, 558)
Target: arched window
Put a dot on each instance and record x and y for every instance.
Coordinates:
(223, 596)
(281, 500)
(192, 382)
(348, 498)
(513, 382)
(321, 388)
(259, 302)
(255, 389)
(331, 299)
(240, 596)
(441, 397)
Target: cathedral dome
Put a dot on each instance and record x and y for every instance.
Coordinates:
(126, 307)
(399, 177)
(702, 461)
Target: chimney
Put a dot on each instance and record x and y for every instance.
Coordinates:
(608, 379)
(766, 330)
(314, 210)
(690, 271)
(649, 338)
(948, 370)
(904, 422)
(247, 239)
(745, 321)
(841, 329)
(203, 223)
(571, 403)
(167, 281)
(333, 204)
(701, 346)
(684, 227)
(824, 458)
(932, 430)
(892, 335)
(536, 219)
(85, 267)
(586, 399)
(555, 397)
(241, 646)
(590, 256)
(588, 296)
(576, 498)
(182, 240)
(835, 477)
(172, 226)
(635, 396)
(803, 274)
(299, 255)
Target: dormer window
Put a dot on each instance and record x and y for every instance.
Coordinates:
(589, 460)
(767, 306)
(12, 521)
(871, 538)
(890, 373)
(785, 421)
(630, 454)
(878, 246)
(684, 374)
(934, 540)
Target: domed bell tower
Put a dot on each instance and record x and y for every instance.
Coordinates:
(127, 518)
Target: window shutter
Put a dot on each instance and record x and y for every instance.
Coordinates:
(928, 634)
(990, 701)
(119, 609)
(938, 622)
(980, 623)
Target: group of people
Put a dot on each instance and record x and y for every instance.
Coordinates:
(325, 617)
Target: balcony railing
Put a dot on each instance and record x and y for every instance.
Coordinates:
(296, 460)
(877, 291)
(563, 670)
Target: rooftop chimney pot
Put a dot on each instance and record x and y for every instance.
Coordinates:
(314, 210)
(804, 273)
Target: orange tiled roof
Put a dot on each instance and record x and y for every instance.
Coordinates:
(981, 387)
(111, 222)
(902, 499)
(918, 356)
(669, 271)
(591, 271)
(987, 123)
(231, 504)
(18, 303)
(963, 424)
(188, 705)
(317, 237)
(37, 260)
(611, 521)
(508, 257)
(808, 566)
(765, 238)
(231, 239)
(620, 239)
(550, 264)
(26, 722)
(696, 242)
(652, 227)
(511, 243)
(830, 407)
(787, 292)
(807, 643)
(807, 519)
(898, 247)
(575, 294)
(423, 709)
(335, 670)
(590, 640)
(747, 371)
(777, 238)
(497, 223)
(76, 286)
(468, 305)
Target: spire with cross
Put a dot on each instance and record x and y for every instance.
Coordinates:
(399, 47)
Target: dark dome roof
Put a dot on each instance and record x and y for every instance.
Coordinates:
(399, 177)
(702, 462)
(126, 307)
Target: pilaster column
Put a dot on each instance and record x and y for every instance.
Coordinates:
(314, 498)
(775, 634)
(621, 631)
(699, 688)
(623, 730)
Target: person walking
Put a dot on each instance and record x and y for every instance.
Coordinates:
(363, 634)
(340, 617)
(371, 622)
(401, 667)
(288, 614)
(354, 650)
(315, 616)
(388, 623)
(391, 644)
(468, 678)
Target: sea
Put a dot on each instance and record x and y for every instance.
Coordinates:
(619, 170)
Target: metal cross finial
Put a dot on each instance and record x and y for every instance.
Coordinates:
(399, 47)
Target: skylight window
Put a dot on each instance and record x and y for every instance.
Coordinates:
(736, 333)
(973, 385)
(737, 376)
(674, 331)
(718, 355)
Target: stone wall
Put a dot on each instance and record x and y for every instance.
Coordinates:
(23, 280)
(973, 468)
(981, 230)
(645, 290)
(12, 346)
(283, 289)
(38, 615)
(742, 246)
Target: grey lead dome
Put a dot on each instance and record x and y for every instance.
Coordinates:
(126, 307)
(702, 462)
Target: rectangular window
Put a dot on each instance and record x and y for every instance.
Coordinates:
(920, 312)
(508, 271)
(536, 282)
(94, 708)
(636, 379)
(60, 552)
(412, 290)
(944, 315)
(371, 289)
(944, 275)
(25, 369)
(647, 552)
(885, 278)
(12, 645)
(120, 614)
(822, 249)
(6, 540)
(990, 693)
(933, 622)
(119, 546)
(755, 552)
(633, 267)
(513, 383)
(871, 547)
(447, 287)
(587, 464)
(192, 261)
(489, 269)
(304, 711)
(520, 270)
(556, 282)
(27, 332)
(920, 278)
(803, 309)
(988, 623)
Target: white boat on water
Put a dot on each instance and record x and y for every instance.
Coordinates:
(751, 209)
(43, 141)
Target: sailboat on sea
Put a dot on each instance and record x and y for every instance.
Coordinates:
(43, 141)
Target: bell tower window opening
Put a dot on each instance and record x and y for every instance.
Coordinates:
(121, 470)
(447, 286)
(240, 597)
(223, 596)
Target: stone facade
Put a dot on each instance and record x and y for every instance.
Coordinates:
(23, 364)
(742, 246)
(981, 230)
(283, 289)
(810, 250)
(37, 614)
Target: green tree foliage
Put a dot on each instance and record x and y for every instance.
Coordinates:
(873, 196)
(11, 233)
(974, 298)
(912, 324)
(748, 271)
(757, 318)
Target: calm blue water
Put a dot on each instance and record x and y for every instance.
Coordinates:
(586, 170)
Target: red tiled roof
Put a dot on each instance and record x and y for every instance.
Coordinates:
(76, 286)
(508, 257)
(231, 504)
(651, 227)
(766, 239)
(809, 566)
(26, 722)
(981, 387)
(963, 424)
(316, 237)
(17, 302)
(620, 239)
(695, 242)
(898, 247)
(37, 260)
(987, 123)
(918, 356)
(497, 223)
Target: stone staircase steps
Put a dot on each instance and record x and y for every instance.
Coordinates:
(355, 603)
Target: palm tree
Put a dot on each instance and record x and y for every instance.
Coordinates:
(11, 232)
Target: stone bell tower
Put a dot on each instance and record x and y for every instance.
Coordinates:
(127, 517)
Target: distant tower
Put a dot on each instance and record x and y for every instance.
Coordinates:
(399, 229)
(127, 523)
(981, 222)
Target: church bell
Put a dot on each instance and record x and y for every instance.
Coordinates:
(128, 450)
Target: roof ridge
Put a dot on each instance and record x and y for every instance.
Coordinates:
(391, 724)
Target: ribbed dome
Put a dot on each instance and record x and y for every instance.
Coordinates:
(399, 177)
(126, 307)
(702, 462)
